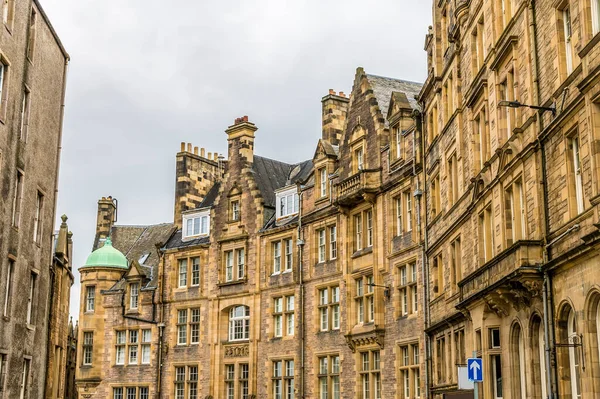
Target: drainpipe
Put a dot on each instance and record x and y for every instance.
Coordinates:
(423, 234)
(300, 244)
(547, 298)
(161, 324)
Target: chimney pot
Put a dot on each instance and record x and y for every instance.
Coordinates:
(342, 94)
(245, 118)
(210, 155)
(202, 152)
(331, 91)
(189, 147)
(182, 146)
(195, 150)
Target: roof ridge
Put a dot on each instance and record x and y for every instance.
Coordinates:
(274, 160)
(396, 79)
(142, 226)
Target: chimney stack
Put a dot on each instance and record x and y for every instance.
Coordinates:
(107, 216)
(240, 137)
(335, 108)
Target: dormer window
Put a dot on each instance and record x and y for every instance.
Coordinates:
(134, 295)
(358, 160)
(196, 224)
(287, 202)
(323, 182)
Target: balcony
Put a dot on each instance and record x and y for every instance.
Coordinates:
(510, 279)
(358, 187)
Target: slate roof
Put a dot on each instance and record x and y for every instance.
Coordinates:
(211, 196)
(300, 172)
(136, 241)
(383, 88)
(176, 241)
(270, 175)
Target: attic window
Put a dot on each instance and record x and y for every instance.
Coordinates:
(287, 202)
(143, 258)
(196, 224)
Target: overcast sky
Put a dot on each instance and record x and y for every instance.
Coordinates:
(146, 75)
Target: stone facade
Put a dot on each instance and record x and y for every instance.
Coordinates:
(33, 79)
(511, 191)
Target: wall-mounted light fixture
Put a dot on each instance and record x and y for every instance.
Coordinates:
(516, 104)
(386, 291)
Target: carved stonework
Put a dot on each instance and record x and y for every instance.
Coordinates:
(365, 339)
(237, 351)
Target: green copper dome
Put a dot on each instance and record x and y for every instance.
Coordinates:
(107, 256)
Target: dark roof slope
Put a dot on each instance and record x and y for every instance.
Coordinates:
(270, 175)
(211, 196)
(383, 88)
(176, 241)
(300, 172)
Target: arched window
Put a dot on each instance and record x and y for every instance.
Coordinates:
(239, 323)
(538, 354)
(574, 362)
(518, 363)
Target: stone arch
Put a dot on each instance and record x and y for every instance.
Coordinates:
(517, 361)
(592, 339)
(568, 357)
(538, 388)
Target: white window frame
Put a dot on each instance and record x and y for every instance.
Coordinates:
(323, 181)
(287, 202)
(196, 224)
(595, 17)
(241, 322)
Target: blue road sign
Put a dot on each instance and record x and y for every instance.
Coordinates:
(475, 369)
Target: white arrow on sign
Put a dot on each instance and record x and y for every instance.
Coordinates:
(475, 369)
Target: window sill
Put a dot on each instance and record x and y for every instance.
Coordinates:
(85, 366)
(234, 282)
(135, 312)
(30, 327)
(286, 271)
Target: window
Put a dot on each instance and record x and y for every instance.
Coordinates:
(31, 298)
(358, 160)
(477, 47)
(283, 379)
(183, 272)
(332, 242)
(120, 347)
(518, 363)
(507, 92)
(459, 347)
(452, 179)
(407, 288)
(195, 271)
(329, 308)
(243, 381)
(283, 316)
(440, 360)
(182, 318)
(370, 375)
(32, 35)
(364, 300)
(3, 370)
(358, 229)
(369, 228)
(8, 8)
(505, 12)
(24, 115)
(485, 233)
(595, 16)
(321, 235)
(88, 347)
(437, 274)
(409, 371)
(117, 393)
(288, 254)
(235, 210)
(195, 325)
(408, 211)
(455, 263)
(323, 182)
(239, 323)
(134, 291)
(329, 377)
(574, 360)
(186, 380)
(277, 257)
(399, 212)
(8, 292)
(133, 346)
(567, 33)
(287, 202)
(496, 362)
(25, 379)
(235, 265)
(398, 142)
(514, 212)
(196, 224)
(18, 195)
(575, 177)
(435, 196)
(37, 220)
(146, 343)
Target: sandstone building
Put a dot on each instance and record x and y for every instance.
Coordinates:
(512, 195)
(33, 66)
(274, 279)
